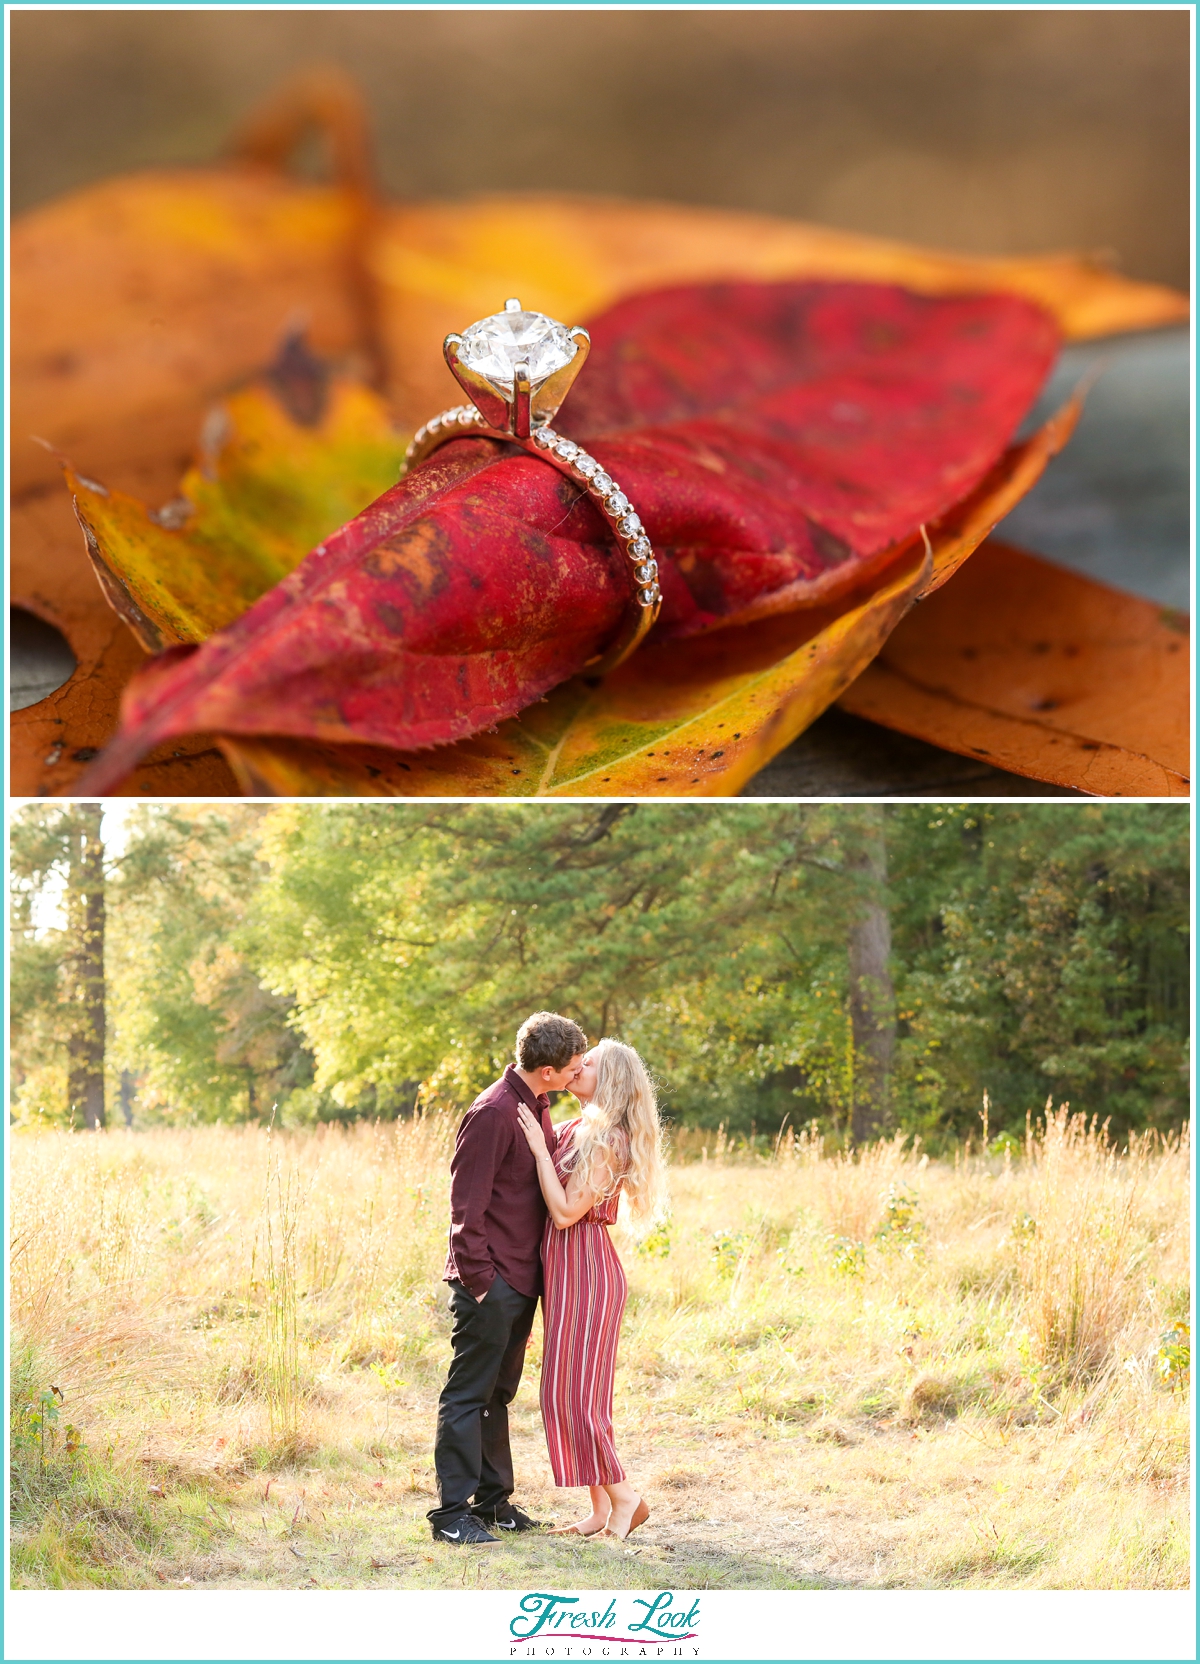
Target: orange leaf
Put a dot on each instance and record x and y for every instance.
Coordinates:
(140, 300)
(440, 265)
(1043, 672)
(136, 302)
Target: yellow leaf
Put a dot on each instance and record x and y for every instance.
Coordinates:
(269, 489)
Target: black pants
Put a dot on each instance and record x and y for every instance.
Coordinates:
(471, 1452)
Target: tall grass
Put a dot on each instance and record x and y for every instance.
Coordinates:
(212, 1303)
(280, 1373)
(1081, 1257)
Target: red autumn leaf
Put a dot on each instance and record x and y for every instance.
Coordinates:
(781, 442)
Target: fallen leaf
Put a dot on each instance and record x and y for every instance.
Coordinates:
(1042, 672)
(624, 719)
(649, 716)
(269, 487)
(515, 763)
(135, 303)
(690, 718)
(782, 443)
(525, 756)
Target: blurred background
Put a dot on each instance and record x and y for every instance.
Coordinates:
(1002, 131)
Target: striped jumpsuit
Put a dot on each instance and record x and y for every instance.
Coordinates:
(582, 1304)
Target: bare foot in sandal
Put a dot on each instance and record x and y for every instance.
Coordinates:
(582, 1528)
(627, 1515)
(596, 1520)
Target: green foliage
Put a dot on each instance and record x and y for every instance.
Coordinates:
(35, 1423)
(1174, 1356)
(1040, 951)
(42, 1446)
(194, 1023)
(656, 1244)
(727, 1250)
(348, 959)
(901, 1230)
(848, 1258)
(43, 1012)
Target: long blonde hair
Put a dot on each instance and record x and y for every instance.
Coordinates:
(622, 1122)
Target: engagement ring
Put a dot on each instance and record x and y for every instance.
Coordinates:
(517, 367)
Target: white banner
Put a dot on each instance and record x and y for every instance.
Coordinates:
(664, 1625)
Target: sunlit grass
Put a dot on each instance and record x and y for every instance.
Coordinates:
(873, 1372)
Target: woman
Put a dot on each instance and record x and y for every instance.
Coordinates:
(613, 1145)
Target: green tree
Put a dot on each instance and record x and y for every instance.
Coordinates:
(874, 967)
(196, 1028)
(1043, 950)
(714, 935)
(58, 987)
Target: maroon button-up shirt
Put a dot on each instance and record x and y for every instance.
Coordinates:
(496, 1209)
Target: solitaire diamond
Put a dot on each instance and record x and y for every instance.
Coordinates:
(495, 346)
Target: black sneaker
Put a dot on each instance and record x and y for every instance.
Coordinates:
(506, 1517)
(464, 1531)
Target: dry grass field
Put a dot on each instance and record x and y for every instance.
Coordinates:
(886, 1372)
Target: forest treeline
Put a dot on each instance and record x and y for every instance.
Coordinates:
(868, 966)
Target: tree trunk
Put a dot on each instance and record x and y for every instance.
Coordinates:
(872, 996)
(85, 919)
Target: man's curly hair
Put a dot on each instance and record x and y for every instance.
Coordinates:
(547, 1040)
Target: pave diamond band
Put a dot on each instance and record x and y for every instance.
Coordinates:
(612, 502)
(517, 367)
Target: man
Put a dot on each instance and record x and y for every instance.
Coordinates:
(494, 1269)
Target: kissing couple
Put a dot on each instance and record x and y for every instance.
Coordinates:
(530, 1206)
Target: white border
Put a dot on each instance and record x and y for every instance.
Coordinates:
(474, 1624)
(435, 1624)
